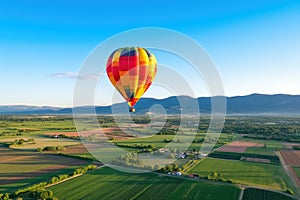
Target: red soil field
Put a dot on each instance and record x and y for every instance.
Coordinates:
(116, 133)
(48, 163)
(80, 148)
(260, 160)
(238, 146)
(87, 133)
(291, 157)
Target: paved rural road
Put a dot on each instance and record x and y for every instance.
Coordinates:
(242, 192)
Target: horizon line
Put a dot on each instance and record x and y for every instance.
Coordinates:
(71, 106)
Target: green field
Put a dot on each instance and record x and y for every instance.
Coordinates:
(297, 171)
(40, 142)
(32, 124)
(261, 151)
(181, 141)
(257, 194)
(107, 183)
(264, 175)
(22, 166)
(237, 156)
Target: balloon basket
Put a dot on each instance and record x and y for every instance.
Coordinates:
(131, 109)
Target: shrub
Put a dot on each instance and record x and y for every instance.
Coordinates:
(289, 191)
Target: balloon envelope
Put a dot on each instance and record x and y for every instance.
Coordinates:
(131, 70)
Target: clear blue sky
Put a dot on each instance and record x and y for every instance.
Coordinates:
(254, 44)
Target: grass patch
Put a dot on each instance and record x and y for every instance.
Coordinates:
(261, 151)
(258, 194)
(297, 171)
(264, 175)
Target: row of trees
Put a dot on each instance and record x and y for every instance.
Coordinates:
(138, 146)
(167, 131)
(9, 133)
(18, 142)
(58, 148)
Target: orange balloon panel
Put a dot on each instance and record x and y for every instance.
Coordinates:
(131, 70)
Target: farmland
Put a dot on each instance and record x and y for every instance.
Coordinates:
(261, 151)
(297, 171)
(238, 146)
(40, 142)
(246, 159)
(248, 173)
(258, 194)
(107, 183)
(245, 156)
(23, 168)
(291, 157)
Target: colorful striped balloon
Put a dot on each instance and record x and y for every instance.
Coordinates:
(131, 70)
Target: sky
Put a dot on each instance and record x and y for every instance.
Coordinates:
(254, 44)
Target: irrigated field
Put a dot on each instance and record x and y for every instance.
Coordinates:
(264, 175)
(261, 151)
(20, 168)
(257, 194)
(297, 171)
(107, 183)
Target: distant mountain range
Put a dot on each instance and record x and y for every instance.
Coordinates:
(250, 104)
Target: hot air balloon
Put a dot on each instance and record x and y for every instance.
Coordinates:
(131, 71)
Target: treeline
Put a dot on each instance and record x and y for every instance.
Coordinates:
(170, 168)
(214, 176)
(21, 141)
(131, 159)
(171, 140)
(147, 148)
(296, 147)
(38, 191)
(8, 133)
(167, 131)
(275, 128)
(65, 136)
(282, 138)
(58, 148)
(175, 167)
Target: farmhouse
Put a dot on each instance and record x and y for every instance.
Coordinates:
(181, 156)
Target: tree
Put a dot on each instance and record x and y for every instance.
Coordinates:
(169, 168)
(156, 167)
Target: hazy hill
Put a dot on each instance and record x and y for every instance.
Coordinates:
(250, 104)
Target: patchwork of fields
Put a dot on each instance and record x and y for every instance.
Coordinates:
(23, 168)
(246, 161)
